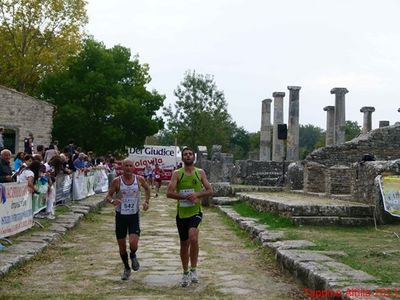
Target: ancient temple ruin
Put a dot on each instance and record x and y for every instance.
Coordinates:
(339, 170)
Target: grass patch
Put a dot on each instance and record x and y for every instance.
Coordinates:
(270, 219)
(375, 252)
(265, 254)
(372, 251)
(62, 209)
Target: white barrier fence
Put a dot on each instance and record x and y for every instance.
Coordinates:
(16, 213)
(17, 206)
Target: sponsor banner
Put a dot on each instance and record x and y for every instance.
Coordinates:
(63, 190)
(165, 156)
(15, 208)
(85, 184)
(390, 188)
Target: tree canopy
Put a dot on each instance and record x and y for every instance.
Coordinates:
(36, 38)
(310, 138)
(102, 101)
(200, 115)
(352, 130)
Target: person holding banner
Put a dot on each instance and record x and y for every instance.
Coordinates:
(188, 185)
(124, 194)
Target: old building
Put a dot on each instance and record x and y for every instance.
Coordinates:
(21, 114)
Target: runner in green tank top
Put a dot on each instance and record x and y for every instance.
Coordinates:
(188, 185)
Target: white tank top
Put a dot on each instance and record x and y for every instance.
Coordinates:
(130, 196)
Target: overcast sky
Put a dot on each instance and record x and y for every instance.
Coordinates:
(256, 47)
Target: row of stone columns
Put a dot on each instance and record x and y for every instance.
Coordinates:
(293, 127)
(335, 124)
(335, 118)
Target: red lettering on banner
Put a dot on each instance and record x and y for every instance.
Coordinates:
(16, 191)
(145, 162)
(15, 227)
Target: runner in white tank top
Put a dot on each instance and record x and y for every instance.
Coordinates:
(130, 196)
(124, 194)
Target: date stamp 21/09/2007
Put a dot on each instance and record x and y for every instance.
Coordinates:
(377, 293)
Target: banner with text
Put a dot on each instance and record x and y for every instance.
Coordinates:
(165, 156)
(15, 208)
(390, 188)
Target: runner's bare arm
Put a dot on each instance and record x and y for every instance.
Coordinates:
(208, 189)
(113, 189)
(146, 188)
(171, 189)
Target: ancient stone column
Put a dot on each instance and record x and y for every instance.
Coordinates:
(383, 123)
(293, 124)
(330, 125)
(265, 133)
(340, 114)
(367, 118)
(278, 147)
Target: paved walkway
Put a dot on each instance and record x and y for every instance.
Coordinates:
(85, 263)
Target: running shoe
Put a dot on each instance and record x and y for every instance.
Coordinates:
(126, 274)
(185, 280)
(50, 217)
(135, 264)
(193, 276)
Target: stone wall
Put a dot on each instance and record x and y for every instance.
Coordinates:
(314, 177)
(23, 114)
(255, 172)
(364, 178)
(295, 175)
(383, 142)
(339, 180)
(219, 168)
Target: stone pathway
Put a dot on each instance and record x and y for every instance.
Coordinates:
(85, 264)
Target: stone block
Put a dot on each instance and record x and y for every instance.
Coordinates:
(290, 244)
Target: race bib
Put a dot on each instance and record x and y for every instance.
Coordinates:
(186, 203)
(128, 207)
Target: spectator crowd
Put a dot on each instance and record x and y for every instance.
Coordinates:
(39, 166)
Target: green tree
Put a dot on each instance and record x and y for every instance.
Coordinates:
(200, 115)
(102, 101)
(240, 143)
(255, 141)
(309, 137)
(352, 130)
(36, 38)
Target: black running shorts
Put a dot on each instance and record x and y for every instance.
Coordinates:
(126, 224)
(186, 223)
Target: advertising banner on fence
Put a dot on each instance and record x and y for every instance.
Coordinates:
(63, 191)
(167, 157)
(390, 188)
(15, 208)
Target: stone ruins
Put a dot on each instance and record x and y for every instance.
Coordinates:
(338, 170)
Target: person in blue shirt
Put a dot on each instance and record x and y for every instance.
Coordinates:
(80, 163)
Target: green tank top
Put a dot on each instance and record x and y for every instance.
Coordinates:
(188, 184)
